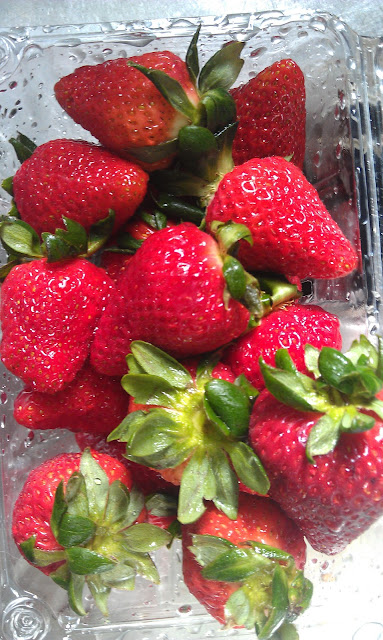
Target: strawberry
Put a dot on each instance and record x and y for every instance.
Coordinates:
(177, 294)
(271, 114)
(321, 442)
(191, 427)
(292, 232)
(291, 327)
(137, 107)
(49, 312)
(149, 481)
(74, 520)
(91, 402)
(122, 108)
(248, 572)
(77, 180)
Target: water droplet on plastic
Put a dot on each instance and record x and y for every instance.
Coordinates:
(185, 609)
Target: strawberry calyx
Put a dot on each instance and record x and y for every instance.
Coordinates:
(343, 389)
(100, 546)
(23, 244)
(200, 423)
(216, 107)
(271, 591)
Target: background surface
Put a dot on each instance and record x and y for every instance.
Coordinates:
(364, 16)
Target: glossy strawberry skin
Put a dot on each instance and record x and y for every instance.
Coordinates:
(172, 295)
(78, 180)
(334, 500)
(91, 402)
(49, 312)
(147, 480)
(271, 113)
(259, 519)
(119, 105)
(33, 507)
(293, 233)
(289, 327)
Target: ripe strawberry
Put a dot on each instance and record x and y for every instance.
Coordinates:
(147, 480)
(174, 295)
(271, 114)
(74, 520)
(91, 402)
(191, 427)
(78, 180)
(292, 232)
(235, 568)
(290, 327)
(49, 312)
(122, 108)
(321, 443)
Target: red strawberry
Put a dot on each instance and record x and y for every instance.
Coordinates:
(149, 481)
(78, 180)
(173, 295)
(122, 108)
(191, 428)
(271, 114)
(322, 447)
(49, 312)
(234, 568)
(91, 402)
(74, 520)
(290, 327)
(293, 234)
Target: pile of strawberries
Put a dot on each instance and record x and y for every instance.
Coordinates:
(151, 304)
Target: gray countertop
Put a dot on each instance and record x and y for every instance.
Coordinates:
(364, 16)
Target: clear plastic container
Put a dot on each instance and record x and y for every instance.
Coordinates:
(344, 79)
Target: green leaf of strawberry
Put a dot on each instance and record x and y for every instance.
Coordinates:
(198, 483)
(19, 238)
(248, 467)
(75, 530)
(191, 58)
(171, 90)
(279, 602)
(82, 561)
(144, 537)
(23, 146)
(158, 363)
(230, 404)
(222, 69)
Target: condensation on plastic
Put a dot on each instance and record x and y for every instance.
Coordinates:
(344, 79)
